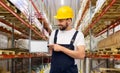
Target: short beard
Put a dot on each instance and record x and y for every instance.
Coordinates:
(64, 27)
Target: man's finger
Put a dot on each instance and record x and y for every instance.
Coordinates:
(50, 45)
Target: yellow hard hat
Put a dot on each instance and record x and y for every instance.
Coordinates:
(64, 12)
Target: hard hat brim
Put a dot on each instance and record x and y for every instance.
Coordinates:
(57, 17)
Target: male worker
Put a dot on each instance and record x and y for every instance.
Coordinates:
(66, 43)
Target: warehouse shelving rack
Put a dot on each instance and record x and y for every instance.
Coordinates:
(19, 61)
(97, 27)
(104, 54)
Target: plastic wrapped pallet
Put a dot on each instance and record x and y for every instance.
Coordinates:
(22, 43)
(3, 41)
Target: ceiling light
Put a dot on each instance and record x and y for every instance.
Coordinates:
(62, 2)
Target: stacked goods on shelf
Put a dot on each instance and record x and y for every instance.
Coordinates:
(117, 64)
(22, 43)
(81, 10)
(99, 5)
(112, 41)
(21, 65)
(3, 70)
(3, 41)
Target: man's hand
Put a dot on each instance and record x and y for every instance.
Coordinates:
(55, 47)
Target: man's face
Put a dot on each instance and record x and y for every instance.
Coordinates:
(63, 24)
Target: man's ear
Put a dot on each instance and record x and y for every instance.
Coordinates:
(69, 20)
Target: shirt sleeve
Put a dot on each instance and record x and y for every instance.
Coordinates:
(80, 40)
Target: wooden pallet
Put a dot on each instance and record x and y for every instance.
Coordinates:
(22, 53)
(7, 52)
(109, 69)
